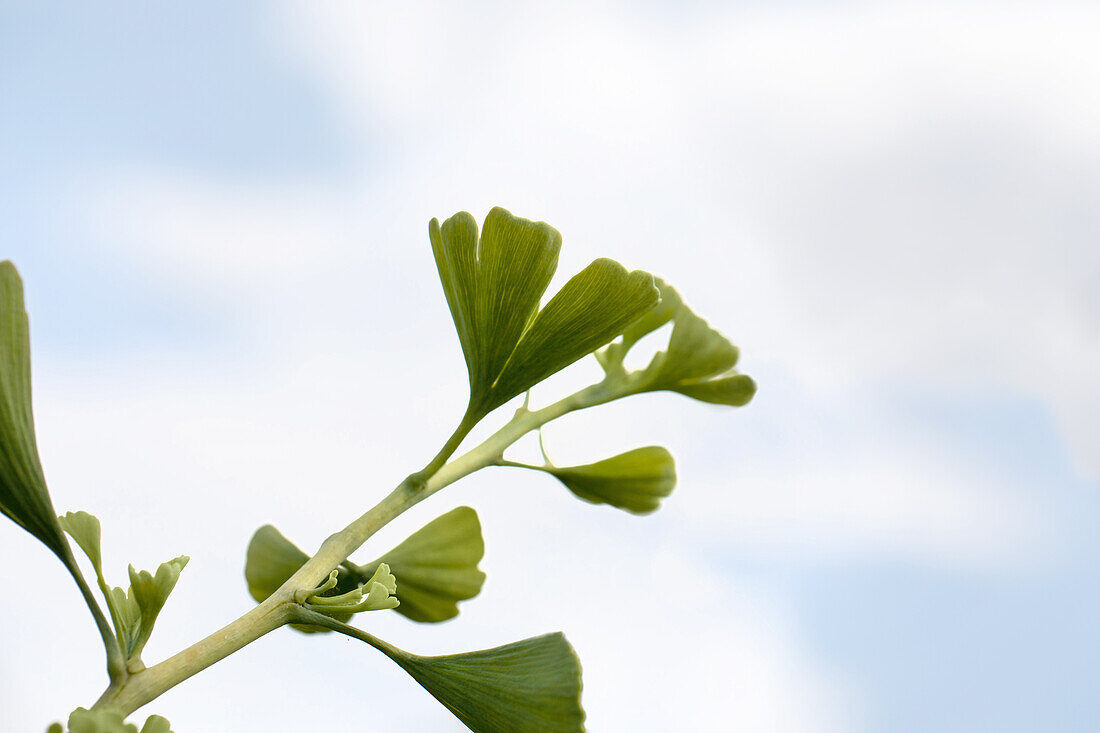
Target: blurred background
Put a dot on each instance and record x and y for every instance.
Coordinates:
(220, 213)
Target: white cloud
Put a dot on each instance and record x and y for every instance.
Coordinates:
(913, 179)
(884, 504)
(894, 192)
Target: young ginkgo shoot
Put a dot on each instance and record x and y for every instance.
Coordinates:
(494, 283)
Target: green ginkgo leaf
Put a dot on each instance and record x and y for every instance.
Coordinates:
(493, 287)
(698, 362)
(150, 592)
(23, 494)
(634, 481)
(436, 566)
(531, 686)
(84, 528)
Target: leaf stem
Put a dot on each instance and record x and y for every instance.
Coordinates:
(464, 427)
(306, 616)
(116, 665)
(518, 464)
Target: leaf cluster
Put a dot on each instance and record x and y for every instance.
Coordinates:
(493, 282)
(133, 611)
(436, 567)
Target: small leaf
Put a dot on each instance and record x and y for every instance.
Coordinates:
(698, 362)
(156, 724)
(383, 577)
(84, 528)
(379, 598)
(23, 494)
(151, 592)
(437, 566)
(55, 728)
(493, 288)
(634, 481)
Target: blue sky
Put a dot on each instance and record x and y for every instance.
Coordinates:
(196, 88)
(218, 211)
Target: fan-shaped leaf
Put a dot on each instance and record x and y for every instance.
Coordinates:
(493, 289)
(84, 528)
(493, 286)
(531, 686)
(635, 481)
(437, 566)
(23, 494)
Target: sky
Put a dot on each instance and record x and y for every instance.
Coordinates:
(220, 211)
